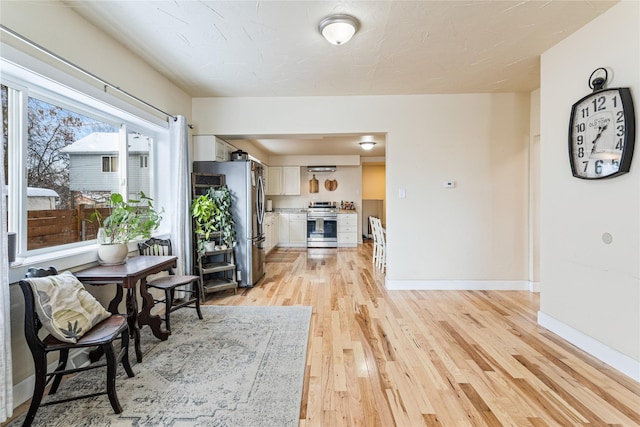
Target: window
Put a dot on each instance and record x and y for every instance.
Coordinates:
(109, 163)
(64, 155)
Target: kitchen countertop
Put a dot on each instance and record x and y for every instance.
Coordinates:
(290, 210)
(304, 210)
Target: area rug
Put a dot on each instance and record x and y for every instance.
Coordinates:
(240, 366)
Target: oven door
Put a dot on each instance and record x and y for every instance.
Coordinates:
(322, 232)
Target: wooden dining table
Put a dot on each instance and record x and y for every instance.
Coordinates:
(127, 276)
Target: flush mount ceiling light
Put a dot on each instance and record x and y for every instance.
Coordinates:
(338, 29)
(367, 145)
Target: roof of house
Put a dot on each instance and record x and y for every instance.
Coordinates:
(106, 143)
(36, 192)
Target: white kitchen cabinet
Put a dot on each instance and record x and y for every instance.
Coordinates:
(212, 148)
(283, 181)
(292, 230)
(274, 181)
(275, 229)
(283, 229)
(291, 180)
(347, 230)
(298, 230)
(270, 231)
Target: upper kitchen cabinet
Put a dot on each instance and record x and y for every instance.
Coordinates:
(283, 181)
(210, 147)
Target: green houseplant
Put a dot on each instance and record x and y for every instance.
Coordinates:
(203, 211)
(211, 213)
(127, 221)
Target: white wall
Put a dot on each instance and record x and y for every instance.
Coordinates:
(437, 237)
(534, 191)
(590, 291)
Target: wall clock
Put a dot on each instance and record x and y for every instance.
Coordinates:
(602, 131)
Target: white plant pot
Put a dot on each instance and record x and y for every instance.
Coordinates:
(112, 254)
(210, 246)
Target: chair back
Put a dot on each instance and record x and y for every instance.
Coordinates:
(32, 323)
(157, 247)
(372, 226)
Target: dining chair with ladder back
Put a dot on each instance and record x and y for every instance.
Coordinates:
(169, 284)
(74, 319)
(380, 246)
(374, 234)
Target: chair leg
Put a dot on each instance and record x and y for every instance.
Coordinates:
(125, 353)
(40, 363)
(62, 364)
(112, 365)
(168, 294)
(196, 291)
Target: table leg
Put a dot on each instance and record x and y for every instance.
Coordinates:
(96, 354)
(132, 318)
(115, 302)
(146, 318)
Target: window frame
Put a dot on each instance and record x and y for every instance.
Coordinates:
(112, 160)
(23, 83)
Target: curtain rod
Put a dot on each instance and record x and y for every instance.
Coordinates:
(82, 70)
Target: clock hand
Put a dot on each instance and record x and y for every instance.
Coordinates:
(600, 130)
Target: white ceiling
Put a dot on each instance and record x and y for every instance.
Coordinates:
(273, 48)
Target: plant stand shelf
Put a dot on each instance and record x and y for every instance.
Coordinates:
(217, 270)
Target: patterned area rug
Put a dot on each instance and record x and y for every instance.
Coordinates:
(240, 366)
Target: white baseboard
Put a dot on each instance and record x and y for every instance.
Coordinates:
(459, 285)
(597, 349)
(24, 389)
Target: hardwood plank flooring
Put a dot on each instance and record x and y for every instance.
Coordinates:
(379, 358)
(432, 358)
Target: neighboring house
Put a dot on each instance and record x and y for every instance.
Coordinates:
(40, 199)
(94, 164)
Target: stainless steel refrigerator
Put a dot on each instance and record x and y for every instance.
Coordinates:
(245, 179)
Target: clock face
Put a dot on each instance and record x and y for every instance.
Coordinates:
(601, 134)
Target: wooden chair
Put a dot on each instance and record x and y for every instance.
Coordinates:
(380, 247)
(374, 234)
(169, 284)
(103, 334)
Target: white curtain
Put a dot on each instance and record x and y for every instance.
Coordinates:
(181, 187)
(6, 376)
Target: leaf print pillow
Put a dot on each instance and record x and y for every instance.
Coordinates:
(65, 308)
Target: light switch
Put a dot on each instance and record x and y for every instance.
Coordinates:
(402, 193)
(449, 184)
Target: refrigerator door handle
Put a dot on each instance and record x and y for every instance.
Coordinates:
(260, 199)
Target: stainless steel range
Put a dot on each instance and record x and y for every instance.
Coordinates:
(322, 225)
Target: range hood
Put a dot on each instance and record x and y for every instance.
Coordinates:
(321, 168)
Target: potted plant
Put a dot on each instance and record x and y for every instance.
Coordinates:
(212, 218)
(223, 219)
(203, 211)
(127, 221)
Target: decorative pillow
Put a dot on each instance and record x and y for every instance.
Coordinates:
(65, 308)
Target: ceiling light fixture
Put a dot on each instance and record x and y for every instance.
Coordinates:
(338, 29)
(367, 145)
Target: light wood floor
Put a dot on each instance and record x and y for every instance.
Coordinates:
(433, 358)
